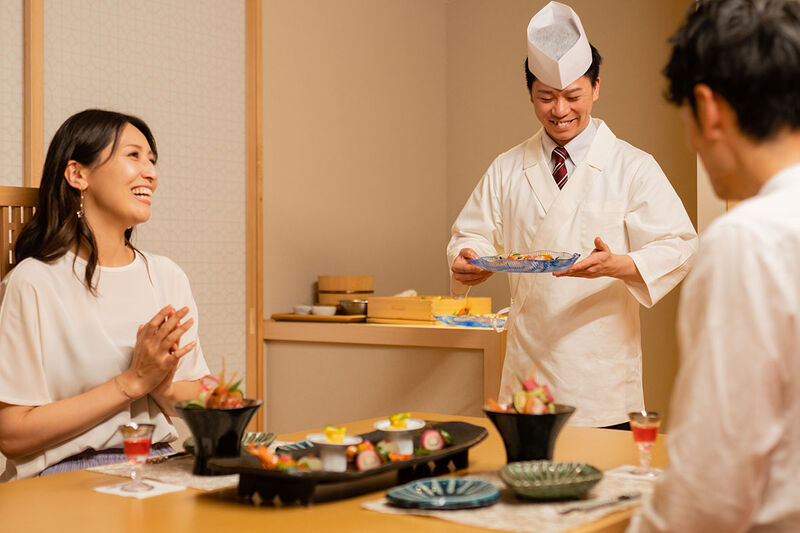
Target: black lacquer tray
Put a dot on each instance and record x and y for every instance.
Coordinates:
(294, 485)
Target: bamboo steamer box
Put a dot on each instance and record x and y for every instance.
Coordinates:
(331, 289)
(423, 308)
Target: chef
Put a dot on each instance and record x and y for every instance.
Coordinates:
(574, 187)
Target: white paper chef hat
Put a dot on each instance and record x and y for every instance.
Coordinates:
(558, 50)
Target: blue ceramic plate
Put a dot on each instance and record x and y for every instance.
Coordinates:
(286, 448)
(561, 261)
(472, 321)
(444, 493)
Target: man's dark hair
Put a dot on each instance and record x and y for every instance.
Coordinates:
(593, 72)
(748, 51)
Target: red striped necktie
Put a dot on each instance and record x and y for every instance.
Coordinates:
(560, 155)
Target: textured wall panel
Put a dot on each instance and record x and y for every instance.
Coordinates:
(10, 92)
(179, 65)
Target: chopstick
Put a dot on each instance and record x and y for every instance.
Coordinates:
(604, 503)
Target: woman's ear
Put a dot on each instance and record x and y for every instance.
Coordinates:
(74, 173)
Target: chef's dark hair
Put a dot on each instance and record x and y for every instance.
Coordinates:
(747, 51)
(593, 72)
(55, 228)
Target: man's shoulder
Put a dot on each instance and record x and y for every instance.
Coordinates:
(766, 220)
(515, 155)
(630, 153)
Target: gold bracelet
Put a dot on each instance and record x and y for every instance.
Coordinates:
(122, 390)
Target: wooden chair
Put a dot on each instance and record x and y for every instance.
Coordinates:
(17, 205)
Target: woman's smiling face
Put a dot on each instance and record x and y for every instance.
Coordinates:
(566, 112)
(120, 186)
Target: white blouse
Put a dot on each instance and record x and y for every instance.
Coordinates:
(57, 340)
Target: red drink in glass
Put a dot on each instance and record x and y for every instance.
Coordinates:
(644, 433)
(137, 450)
(644, 426)
(136, 443)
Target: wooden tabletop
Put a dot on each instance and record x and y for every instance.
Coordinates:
(66, 503)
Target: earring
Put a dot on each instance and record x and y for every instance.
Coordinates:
(81, 213)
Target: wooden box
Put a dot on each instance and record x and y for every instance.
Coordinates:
(423, 308)
(331, 289)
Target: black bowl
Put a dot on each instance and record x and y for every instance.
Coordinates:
(216, 432)
(530, 437)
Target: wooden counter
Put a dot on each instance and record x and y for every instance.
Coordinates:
(66, 503)
(317, 373)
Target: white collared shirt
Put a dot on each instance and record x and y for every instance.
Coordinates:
(577, 148)
(734, 435)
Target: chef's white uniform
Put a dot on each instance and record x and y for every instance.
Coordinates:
(582, 334)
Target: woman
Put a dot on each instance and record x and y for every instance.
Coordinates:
(93, 332)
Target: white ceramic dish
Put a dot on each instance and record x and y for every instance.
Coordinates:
(323, 310)
(402, 436)
(333, 454)
(301, 309)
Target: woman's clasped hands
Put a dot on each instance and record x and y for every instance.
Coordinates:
(157, 353)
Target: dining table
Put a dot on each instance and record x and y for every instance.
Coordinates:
(67, 503)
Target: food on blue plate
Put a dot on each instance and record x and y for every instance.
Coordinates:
(543, 256)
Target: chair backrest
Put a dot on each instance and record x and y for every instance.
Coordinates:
(17, 205)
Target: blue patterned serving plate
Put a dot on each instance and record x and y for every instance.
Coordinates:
(444, 493)
(561, 261)
(473, 321)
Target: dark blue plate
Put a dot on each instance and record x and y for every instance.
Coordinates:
(294, 446)
(444, 493)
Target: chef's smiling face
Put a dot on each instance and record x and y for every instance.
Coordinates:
(566, 112)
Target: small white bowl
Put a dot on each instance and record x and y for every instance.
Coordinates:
(333, 454)
(301, 309)
(323, 310)
(402, 436)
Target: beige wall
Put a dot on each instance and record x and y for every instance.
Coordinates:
(11, 93)
(489, 112)
(179, 65)
(354, 145)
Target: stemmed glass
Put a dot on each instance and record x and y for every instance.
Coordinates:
(644, 425)
(136, 439)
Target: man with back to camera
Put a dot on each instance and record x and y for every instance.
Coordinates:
(734, 436)
(575, 187)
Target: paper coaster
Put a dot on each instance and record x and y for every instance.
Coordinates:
(629, 471)
(158, 489)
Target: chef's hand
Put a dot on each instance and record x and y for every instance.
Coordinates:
(156, 353)
(602, 262)
(467, 273)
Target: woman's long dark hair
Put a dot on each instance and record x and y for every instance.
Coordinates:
(55, 227)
